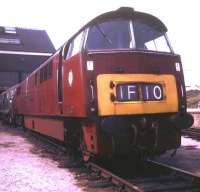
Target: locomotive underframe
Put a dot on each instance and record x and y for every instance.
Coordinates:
(111, 136)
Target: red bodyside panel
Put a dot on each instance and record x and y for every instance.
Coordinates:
(39, 98)
(46, 97)
(74, 88)
(51, 127)
(42, 98)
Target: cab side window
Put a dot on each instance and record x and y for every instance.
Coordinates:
(75, 46)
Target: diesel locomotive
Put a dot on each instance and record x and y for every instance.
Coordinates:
(115, 88)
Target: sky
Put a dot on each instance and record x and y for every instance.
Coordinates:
(62, 18)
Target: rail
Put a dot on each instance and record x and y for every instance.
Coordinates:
(175, 179)
(193, 132)
(123, 184)
(180, 172)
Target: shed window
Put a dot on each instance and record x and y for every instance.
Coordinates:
(10, 30)
(10, 41)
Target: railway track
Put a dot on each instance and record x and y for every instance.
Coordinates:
(192, 132)
(154, 176)
(158, 177)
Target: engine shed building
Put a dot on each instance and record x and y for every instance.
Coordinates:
(21, 51)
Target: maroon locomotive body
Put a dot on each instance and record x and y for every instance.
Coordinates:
(114, 88)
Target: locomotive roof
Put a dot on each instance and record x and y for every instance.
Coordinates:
(123, 13)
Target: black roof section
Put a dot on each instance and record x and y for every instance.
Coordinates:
(25, 40)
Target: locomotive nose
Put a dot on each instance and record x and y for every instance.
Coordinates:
(182, 121)
(136, 94)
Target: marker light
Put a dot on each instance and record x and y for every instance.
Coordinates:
(178, 67)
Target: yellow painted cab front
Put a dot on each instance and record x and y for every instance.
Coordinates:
(131, 94)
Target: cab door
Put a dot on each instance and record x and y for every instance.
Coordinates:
(73, 78)
(60, 83)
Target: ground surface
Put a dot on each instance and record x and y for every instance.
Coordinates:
(29, 165)
(193, 97)
(24, 169)
(187, 156)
